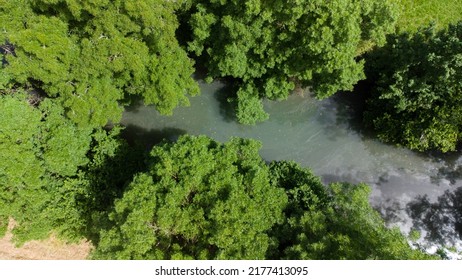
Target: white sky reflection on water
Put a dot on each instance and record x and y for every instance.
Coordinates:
(316, 134)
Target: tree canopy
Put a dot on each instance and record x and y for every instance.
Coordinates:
(205, 200)
(69, 66)
(416, 95)
(39, 148)
(199, 200)
(331, 222)
(93, 55)
(272, 46)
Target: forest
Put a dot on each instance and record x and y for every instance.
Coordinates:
(71, 67)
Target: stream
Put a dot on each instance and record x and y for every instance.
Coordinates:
(408, 188)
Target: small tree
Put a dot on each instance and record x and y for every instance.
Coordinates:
(331, 222)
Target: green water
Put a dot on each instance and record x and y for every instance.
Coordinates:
(323, 135)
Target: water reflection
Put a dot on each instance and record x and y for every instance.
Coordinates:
(326, 136)
(224, 96)
(441, 221)
(450, 169)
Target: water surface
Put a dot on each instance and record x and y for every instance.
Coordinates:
(323, 135)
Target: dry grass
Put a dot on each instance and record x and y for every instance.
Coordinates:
(49, 249)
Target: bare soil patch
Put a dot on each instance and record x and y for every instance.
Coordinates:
(49, 249)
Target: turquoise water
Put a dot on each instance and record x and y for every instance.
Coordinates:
(323, 135)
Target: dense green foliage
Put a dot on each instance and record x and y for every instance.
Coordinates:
(205, 200)
(55, 176)
(416, 100)
(69, 66)
(272, 46)
(90, 55)
(199, 200)
(39, 148)
(331, 222)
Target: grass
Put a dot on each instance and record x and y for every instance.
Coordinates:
(49, 249)
(417, 13)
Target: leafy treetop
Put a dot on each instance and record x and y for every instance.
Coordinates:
(205, 200)
(199, 200)
(417, 90)
(273, 46)
(91, 55)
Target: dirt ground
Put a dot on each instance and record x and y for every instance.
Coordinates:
(49, 249)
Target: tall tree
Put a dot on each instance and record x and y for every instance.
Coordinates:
(56, 176)
(273, 46)
(417, 89)
(199, 200)
(92, 55)
(39, 149)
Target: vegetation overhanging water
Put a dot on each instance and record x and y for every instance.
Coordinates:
(323, 135)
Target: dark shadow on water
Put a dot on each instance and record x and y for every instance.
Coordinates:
(200, 73)
(442, 220)
(451, 170)
(350, 106)
(225, 97)
(354, 177)
(449, 173)
(133, 108)
(347, 109)
(335, 178)
(132, 103)
(391, 211)
(148, 138)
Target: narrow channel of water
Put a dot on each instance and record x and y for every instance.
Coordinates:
(322, 135)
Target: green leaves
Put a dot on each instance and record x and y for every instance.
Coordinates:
(93, 55)
(205, 200)
(38, 148)
(418, 89)
(330, 222)
(362, 227)
(270, 47)
(64, 145)
(200, 200)
(44, 53)
(93, 103)
(249, 107)
(19, 145)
